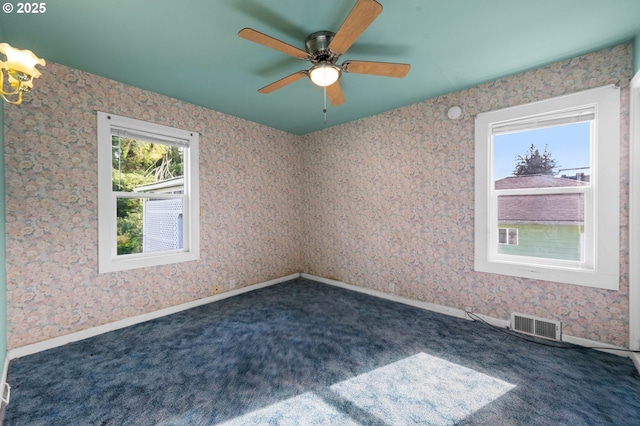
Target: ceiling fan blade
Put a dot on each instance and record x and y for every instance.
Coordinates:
(283, 82)
(385, 69)
(273, 43)
(360, 17)
(335, 94)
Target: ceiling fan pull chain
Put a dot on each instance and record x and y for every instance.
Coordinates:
(324, 109)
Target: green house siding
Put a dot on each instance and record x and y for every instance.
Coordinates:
(546, 241)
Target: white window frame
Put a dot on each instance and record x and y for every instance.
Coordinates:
(600, 268)
(634, 219)
(108, 259)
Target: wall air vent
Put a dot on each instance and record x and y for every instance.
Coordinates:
(535, 326)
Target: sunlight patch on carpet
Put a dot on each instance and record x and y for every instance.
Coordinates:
(422, 388)
(304, 409)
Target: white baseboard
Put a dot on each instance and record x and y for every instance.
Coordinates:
(459, 313)
(599, 346)
(635, 357)
(454, 312)
(4, 387)
(5, 370)
(95, 331)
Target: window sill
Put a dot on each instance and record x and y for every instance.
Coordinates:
(581, 277)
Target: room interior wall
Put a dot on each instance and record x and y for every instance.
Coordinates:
(249, 198)
(389, 203)
(385, 203)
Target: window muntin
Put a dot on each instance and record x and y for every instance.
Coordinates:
(577, 243)
(148, 194)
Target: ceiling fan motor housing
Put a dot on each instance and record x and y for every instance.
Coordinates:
(317, 45)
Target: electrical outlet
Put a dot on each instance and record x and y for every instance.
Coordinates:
(468, 310)
(232, 284)
(392, 287)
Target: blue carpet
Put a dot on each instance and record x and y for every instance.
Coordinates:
(305, 353)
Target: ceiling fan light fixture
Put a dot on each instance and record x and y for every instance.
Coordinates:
(324, 74)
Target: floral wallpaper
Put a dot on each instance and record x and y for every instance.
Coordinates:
(249, 196)
(389, 203)
(384, 202)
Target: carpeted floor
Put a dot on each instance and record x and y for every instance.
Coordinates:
(305, 353)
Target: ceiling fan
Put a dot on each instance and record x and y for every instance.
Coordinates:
(323, 48)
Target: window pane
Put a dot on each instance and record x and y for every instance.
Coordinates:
(149, 225)
(162, 225)
(129, 225)
(547, 226)
(139, 166)
(542, 158)
(502, 236)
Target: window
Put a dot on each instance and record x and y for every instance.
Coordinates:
(547, 189)
(508, 236)
(148, 208)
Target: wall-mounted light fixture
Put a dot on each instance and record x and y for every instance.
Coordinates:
(20, 70)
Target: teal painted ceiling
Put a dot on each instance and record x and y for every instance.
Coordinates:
(190, 50)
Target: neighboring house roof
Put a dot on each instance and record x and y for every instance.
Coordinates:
(542, 209)
(537, 181)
